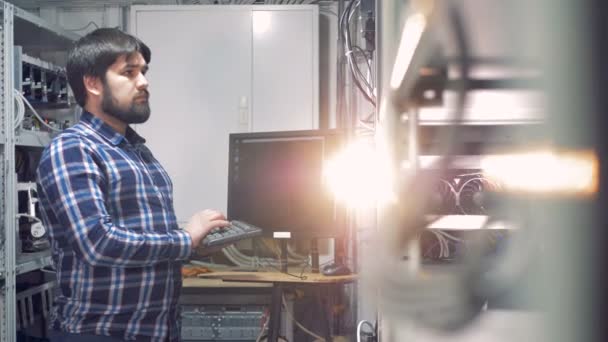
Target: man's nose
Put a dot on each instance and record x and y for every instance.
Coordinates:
(142, 81)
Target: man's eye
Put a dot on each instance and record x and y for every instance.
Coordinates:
(128, 73)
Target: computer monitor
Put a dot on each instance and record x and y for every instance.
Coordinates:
(276, 182)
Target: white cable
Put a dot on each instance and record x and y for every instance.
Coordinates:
(20, 109)
(30, 217)
(239, 259)
(476, 174)
(40, 118)
(294, 254)
(272, 247)
(247, 260)
(361, 325)
(450, 236)
(231, 257)
(234, 257)
(439, 242)
(208, 264)
(294, 258)
(367, 126)
(242, 260)
(444, 247)
(298, 323)
(262, 331)
(264, 326)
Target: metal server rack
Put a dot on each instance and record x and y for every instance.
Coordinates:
(392, 130)
(22, 28)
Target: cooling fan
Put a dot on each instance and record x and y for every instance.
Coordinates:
(443, 200)
(473, 195)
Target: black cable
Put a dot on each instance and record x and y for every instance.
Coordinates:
(355, 67)
(350, 48)
(358, 76)
(343, 15)
(265, 336)
(345, 31)
(367, 62)
(346, 46)
(353, 49)
(86, 26)
(365, 94)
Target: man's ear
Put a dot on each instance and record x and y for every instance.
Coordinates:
(93, 85)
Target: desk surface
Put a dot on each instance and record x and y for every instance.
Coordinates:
(277, 277)
(218, 283)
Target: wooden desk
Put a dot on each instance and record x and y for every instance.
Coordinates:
(278, 277)
(210, 282)
(278, 280)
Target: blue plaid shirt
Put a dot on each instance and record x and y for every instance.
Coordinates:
(108, 207)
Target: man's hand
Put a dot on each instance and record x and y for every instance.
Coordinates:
(202, 222)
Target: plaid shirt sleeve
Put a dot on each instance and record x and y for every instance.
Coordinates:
(72, 186)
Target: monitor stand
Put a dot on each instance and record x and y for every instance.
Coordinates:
(314, 255)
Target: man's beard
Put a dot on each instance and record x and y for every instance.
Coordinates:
(136, 113)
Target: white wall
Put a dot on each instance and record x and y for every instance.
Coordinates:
(83, 19)
(96, 14)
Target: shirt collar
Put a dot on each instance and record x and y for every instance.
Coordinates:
(108, 133)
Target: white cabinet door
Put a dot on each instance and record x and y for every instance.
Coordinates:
(215, 71)
(200, 90)
(285, 68)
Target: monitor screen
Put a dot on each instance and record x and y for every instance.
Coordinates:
(276, 182)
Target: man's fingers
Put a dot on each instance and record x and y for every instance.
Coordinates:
(213, 215)
(219, 223)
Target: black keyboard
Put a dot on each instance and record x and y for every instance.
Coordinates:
(219, 238)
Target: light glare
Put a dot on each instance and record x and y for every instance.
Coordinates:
(545, 172)
(410, 37)
(261, 21)
(359, 177)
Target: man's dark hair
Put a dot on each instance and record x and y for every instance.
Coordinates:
(94, 53)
